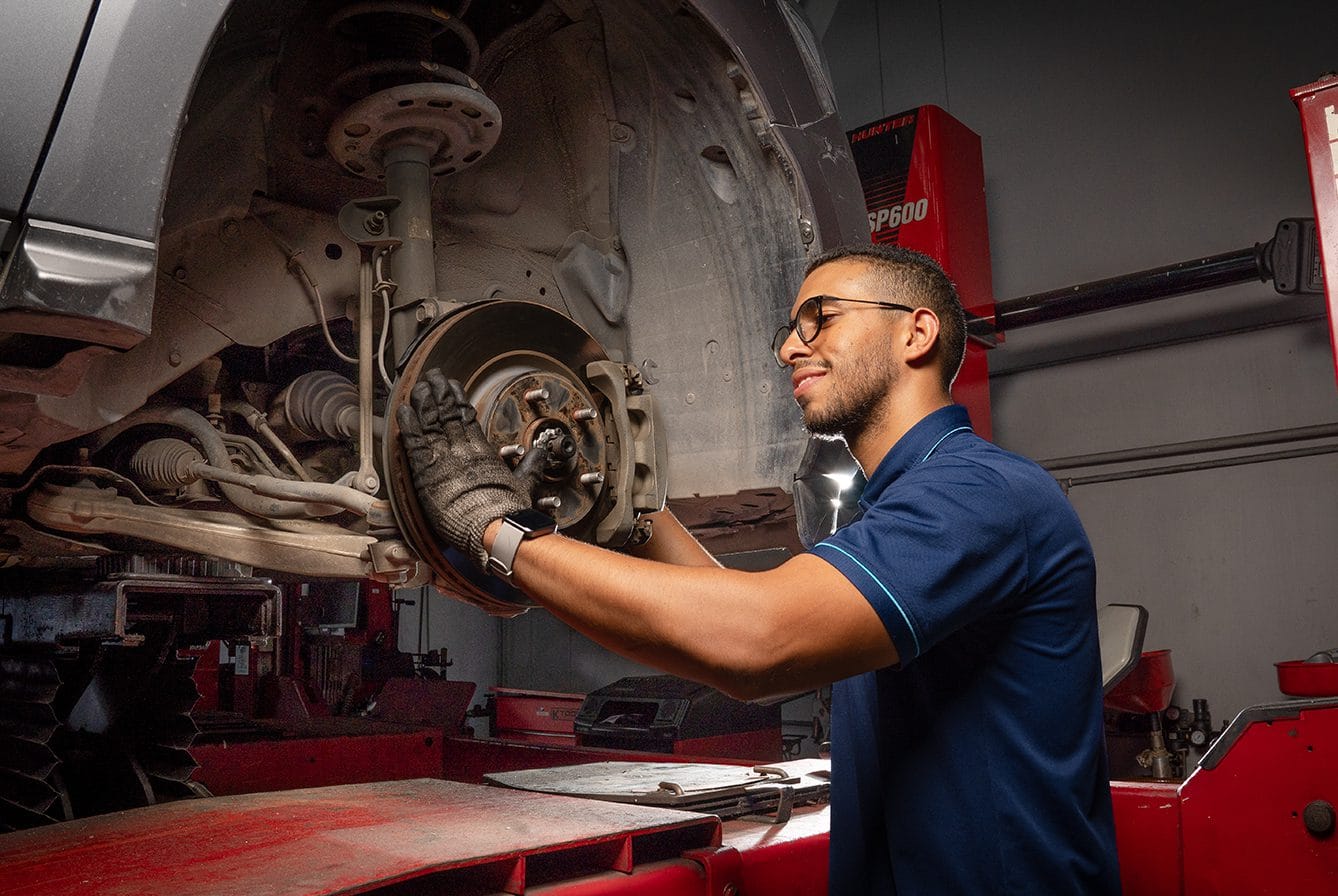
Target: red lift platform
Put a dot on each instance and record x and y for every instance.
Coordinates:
(411, 837)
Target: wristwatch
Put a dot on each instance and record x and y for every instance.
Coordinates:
(517, 526)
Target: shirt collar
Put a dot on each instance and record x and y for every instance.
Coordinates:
(916, 446)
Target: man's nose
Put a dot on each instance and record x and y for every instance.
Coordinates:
(793, 348)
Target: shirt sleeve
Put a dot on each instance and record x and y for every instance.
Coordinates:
(939, 549)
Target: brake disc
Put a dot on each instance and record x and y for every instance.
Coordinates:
(532, 373)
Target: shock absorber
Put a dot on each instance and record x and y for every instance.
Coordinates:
(412, 117)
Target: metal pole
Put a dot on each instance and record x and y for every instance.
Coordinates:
(368, 480)
(1069, 483)
(1132, 289)
(1198, 446)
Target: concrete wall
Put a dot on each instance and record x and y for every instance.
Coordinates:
(1119, 138)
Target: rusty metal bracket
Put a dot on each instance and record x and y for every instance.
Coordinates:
(784, 805)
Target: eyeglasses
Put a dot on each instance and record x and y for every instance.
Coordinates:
(808, 321)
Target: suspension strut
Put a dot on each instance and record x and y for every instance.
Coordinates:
(415, 113)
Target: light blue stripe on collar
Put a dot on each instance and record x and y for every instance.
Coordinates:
(941, 438)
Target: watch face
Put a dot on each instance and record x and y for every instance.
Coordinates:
(532, 522)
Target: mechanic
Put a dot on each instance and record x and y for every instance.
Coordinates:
(956, 616)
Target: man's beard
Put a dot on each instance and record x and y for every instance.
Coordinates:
(854, 404)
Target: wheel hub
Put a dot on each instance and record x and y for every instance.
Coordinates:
(522, 366)
(559, 411)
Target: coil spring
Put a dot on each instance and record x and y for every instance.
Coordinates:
(400, 37)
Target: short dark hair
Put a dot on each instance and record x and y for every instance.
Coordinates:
(896, 268)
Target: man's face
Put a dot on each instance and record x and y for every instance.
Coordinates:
(842, 378)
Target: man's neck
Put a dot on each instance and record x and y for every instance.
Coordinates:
(901, 413)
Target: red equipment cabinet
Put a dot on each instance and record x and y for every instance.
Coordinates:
(1256, 816)
(545, 717)
(1318, 105)
(667, 714)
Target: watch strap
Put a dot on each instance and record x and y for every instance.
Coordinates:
(502, 557)
(504, 547)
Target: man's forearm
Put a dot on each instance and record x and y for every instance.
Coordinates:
(697, 621)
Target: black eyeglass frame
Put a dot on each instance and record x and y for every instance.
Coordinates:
(783, 333)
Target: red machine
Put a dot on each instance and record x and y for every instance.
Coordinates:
(1317, 103)
(326, 697)
(664, 714)
(1255, 816)
(541, 717)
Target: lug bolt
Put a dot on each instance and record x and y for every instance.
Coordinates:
(512, 451)
(584, 414)
(549, 503)
(536, 395)
(592, 478)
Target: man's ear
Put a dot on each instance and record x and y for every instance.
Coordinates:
(922, 337)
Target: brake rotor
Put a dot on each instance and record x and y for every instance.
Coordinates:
(521, 365)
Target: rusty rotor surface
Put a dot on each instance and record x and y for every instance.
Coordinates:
(497, 349)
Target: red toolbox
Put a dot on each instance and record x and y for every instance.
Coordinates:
(546, 717)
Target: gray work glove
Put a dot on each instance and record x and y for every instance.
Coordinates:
(462, 483)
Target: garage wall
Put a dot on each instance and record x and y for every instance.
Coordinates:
(534, 650)
(1119, 138)
(470, 638)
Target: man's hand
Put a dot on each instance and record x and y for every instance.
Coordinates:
(462, 483)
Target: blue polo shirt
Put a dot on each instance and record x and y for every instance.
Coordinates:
(978, 764)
